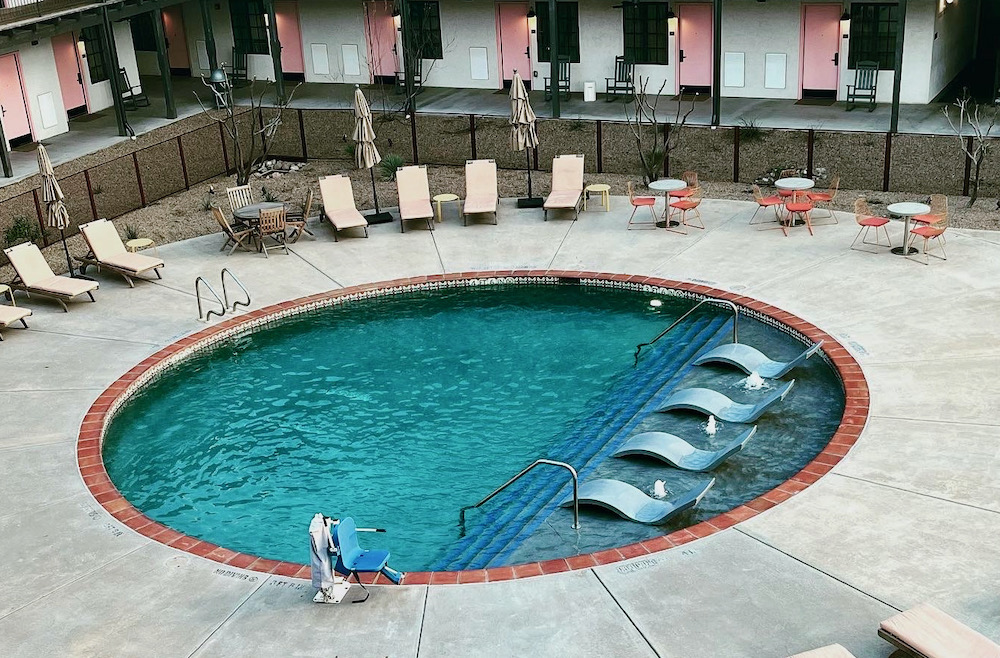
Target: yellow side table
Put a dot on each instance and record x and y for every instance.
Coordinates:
(443, 198)
(602, 189)
(140, 243)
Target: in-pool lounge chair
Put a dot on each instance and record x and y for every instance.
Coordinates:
(108, 251)
(679, 453)
(832, 651)
(338, 204)
(480, 189)
(630, 503)
(926, 632)
(567, 185)
(750, 359)
(713, 403)
(34, 276)
(13, 313)
(414, 196)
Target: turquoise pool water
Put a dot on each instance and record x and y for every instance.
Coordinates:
(401, 410)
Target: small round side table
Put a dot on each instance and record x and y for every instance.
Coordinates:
(599, 188)
(443, 198)
(140, 243)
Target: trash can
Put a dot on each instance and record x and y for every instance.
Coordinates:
(589, 91)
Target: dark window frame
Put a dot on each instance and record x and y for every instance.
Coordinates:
(873, 34)
(93, 46)
(143, 34)
(568, 20)
(645, 33)
(425, 28)
(250, 34)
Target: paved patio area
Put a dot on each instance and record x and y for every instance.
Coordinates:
(912, 514)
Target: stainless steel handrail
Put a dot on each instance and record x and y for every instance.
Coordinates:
(197, 293)
(225, 293)
(537, 462)
(713, 300)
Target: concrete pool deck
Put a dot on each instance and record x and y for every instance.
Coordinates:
(912, 513)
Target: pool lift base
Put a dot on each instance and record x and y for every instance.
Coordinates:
(333, 594)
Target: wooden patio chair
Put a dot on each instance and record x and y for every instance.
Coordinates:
(827, 197)
(623, 82)
(271, 227)
(296, 219)
(562, 82)
(240, 196)
(236, 233)
(132, 96)
(867, 221)
(865, 85)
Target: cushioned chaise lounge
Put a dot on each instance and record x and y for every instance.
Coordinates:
(832, 651)
(414, 196)
(34, 276)
(338, 204)
(679, 453)
(108, 251)
(480, 189)
(713, 403)
(13, 313)
(926, 632)
(567, 185)
(749, 359)
(630, 503)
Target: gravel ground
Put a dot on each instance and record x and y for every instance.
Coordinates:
(186, 215)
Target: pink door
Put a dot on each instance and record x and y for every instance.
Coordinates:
(513, 21)
(13, 109)
(694, 38)
(70, 73)
(173, 30)
(286, 16)
(820, 47)
(381, 39)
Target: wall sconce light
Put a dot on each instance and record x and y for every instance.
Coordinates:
(532, 20)
(267, 21)
(671, 21)
(845, 23)
(397, 18)
(949, 2)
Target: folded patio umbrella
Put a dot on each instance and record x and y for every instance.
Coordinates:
(523, 134)
(366, 156)
(56, 215)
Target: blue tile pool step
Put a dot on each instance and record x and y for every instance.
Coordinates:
(496, 531)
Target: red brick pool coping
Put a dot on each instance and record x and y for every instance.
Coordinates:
(855, 415)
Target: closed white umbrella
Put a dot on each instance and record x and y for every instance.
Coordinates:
(366, 156)
(56, 215)
(523, 133)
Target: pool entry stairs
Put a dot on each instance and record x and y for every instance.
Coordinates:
(498, 529)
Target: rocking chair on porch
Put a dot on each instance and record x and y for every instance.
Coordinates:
(865, 85)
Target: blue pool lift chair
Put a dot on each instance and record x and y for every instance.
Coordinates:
(353, 560)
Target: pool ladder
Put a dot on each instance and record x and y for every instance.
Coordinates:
(224, 301)
(537, 462)
(707, 300)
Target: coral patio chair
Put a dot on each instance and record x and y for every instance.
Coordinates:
(638, 202)
(939, 209)
(934, 231)
(827, 197)
(296, 219)
(689, 177)
(236, 233)
(787, 173)
(239, 197)
(567, 185)
(775, 202)
(13, 313)
(688, 204)
(338, 205)
(481, 194)
(799, 206)
(34, 276)
(108, 251)
(414, 196)
(272, 226)
(867, 221)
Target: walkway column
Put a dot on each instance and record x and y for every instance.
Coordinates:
(8, 171)
(206, 23)
(170, 110)
(409, 58)
(554, 56)
(897, 80)
(272, 33)
(112, 66)
(717, 63)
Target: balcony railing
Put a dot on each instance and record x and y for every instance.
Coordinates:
(21, 11)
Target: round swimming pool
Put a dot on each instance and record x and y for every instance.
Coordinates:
(403, 409)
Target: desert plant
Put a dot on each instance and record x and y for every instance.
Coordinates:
(268, 195)
(96, 189)
(750, 131)
(389, 164)
(206, 203)
(980, 119)
(131, 231)
(349, 150)
(647, 127)
(21, 230)
(576, 125)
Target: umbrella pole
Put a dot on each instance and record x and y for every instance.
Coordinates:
(69, 261)
(531, 201)
(378, 217)
(371, 170)
(527, 158)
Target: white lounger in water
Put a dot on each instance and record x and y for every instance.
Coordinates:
(677, 452)
(750, 360)
(713, 403)
(630, 503)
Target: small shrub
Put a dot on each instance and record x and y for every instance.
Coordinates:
(268, 195)
(577, 125)
(750, 132)
(96, 189)
(206, 202)
(131, 232)
(390, 163)
(349, 150)
(21, 230)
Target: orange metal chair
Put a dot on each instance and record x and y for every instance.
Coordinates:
(774, 202)
(798, 205)
(688, 204)
(939, 209)
(928, 232)
(827, 197)
(867, 221)
(638, 202)
(689, 177)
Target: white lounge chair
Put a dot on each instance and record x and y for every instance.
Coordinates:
(630, 503)
(926, 632)
(338, 204)
(414, 196)
(679, 453)
(35, 276)
(107, 250)
(713, 403)
(750, 359)
(481, 194)
(567, 185)
(13, 313)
